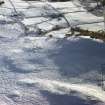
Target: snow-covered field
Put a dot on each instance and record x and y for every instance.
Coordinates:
(36, 69)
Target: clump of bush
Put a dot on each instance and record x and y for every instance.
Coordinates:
(83, 32)
(1, 2)
(50, 36)
(102, 2)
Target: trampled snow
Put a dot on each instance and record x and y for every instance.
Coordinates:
(36, 69)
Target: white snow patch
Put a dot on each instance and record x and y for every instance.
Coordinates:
(65, 88)
(16, 50)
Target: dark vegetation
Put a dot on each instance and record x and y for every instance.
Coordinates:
(92, 34)
(1, 2)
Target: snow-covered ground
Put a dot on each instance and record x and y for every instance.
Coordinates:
(36, 69)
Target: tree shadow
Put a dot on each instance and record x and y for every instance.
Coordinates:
(57, 99)
(78, 57)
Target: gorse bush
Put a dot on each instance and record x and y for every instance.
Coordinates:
(83, 32)
(103, 2)
(1, 2)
